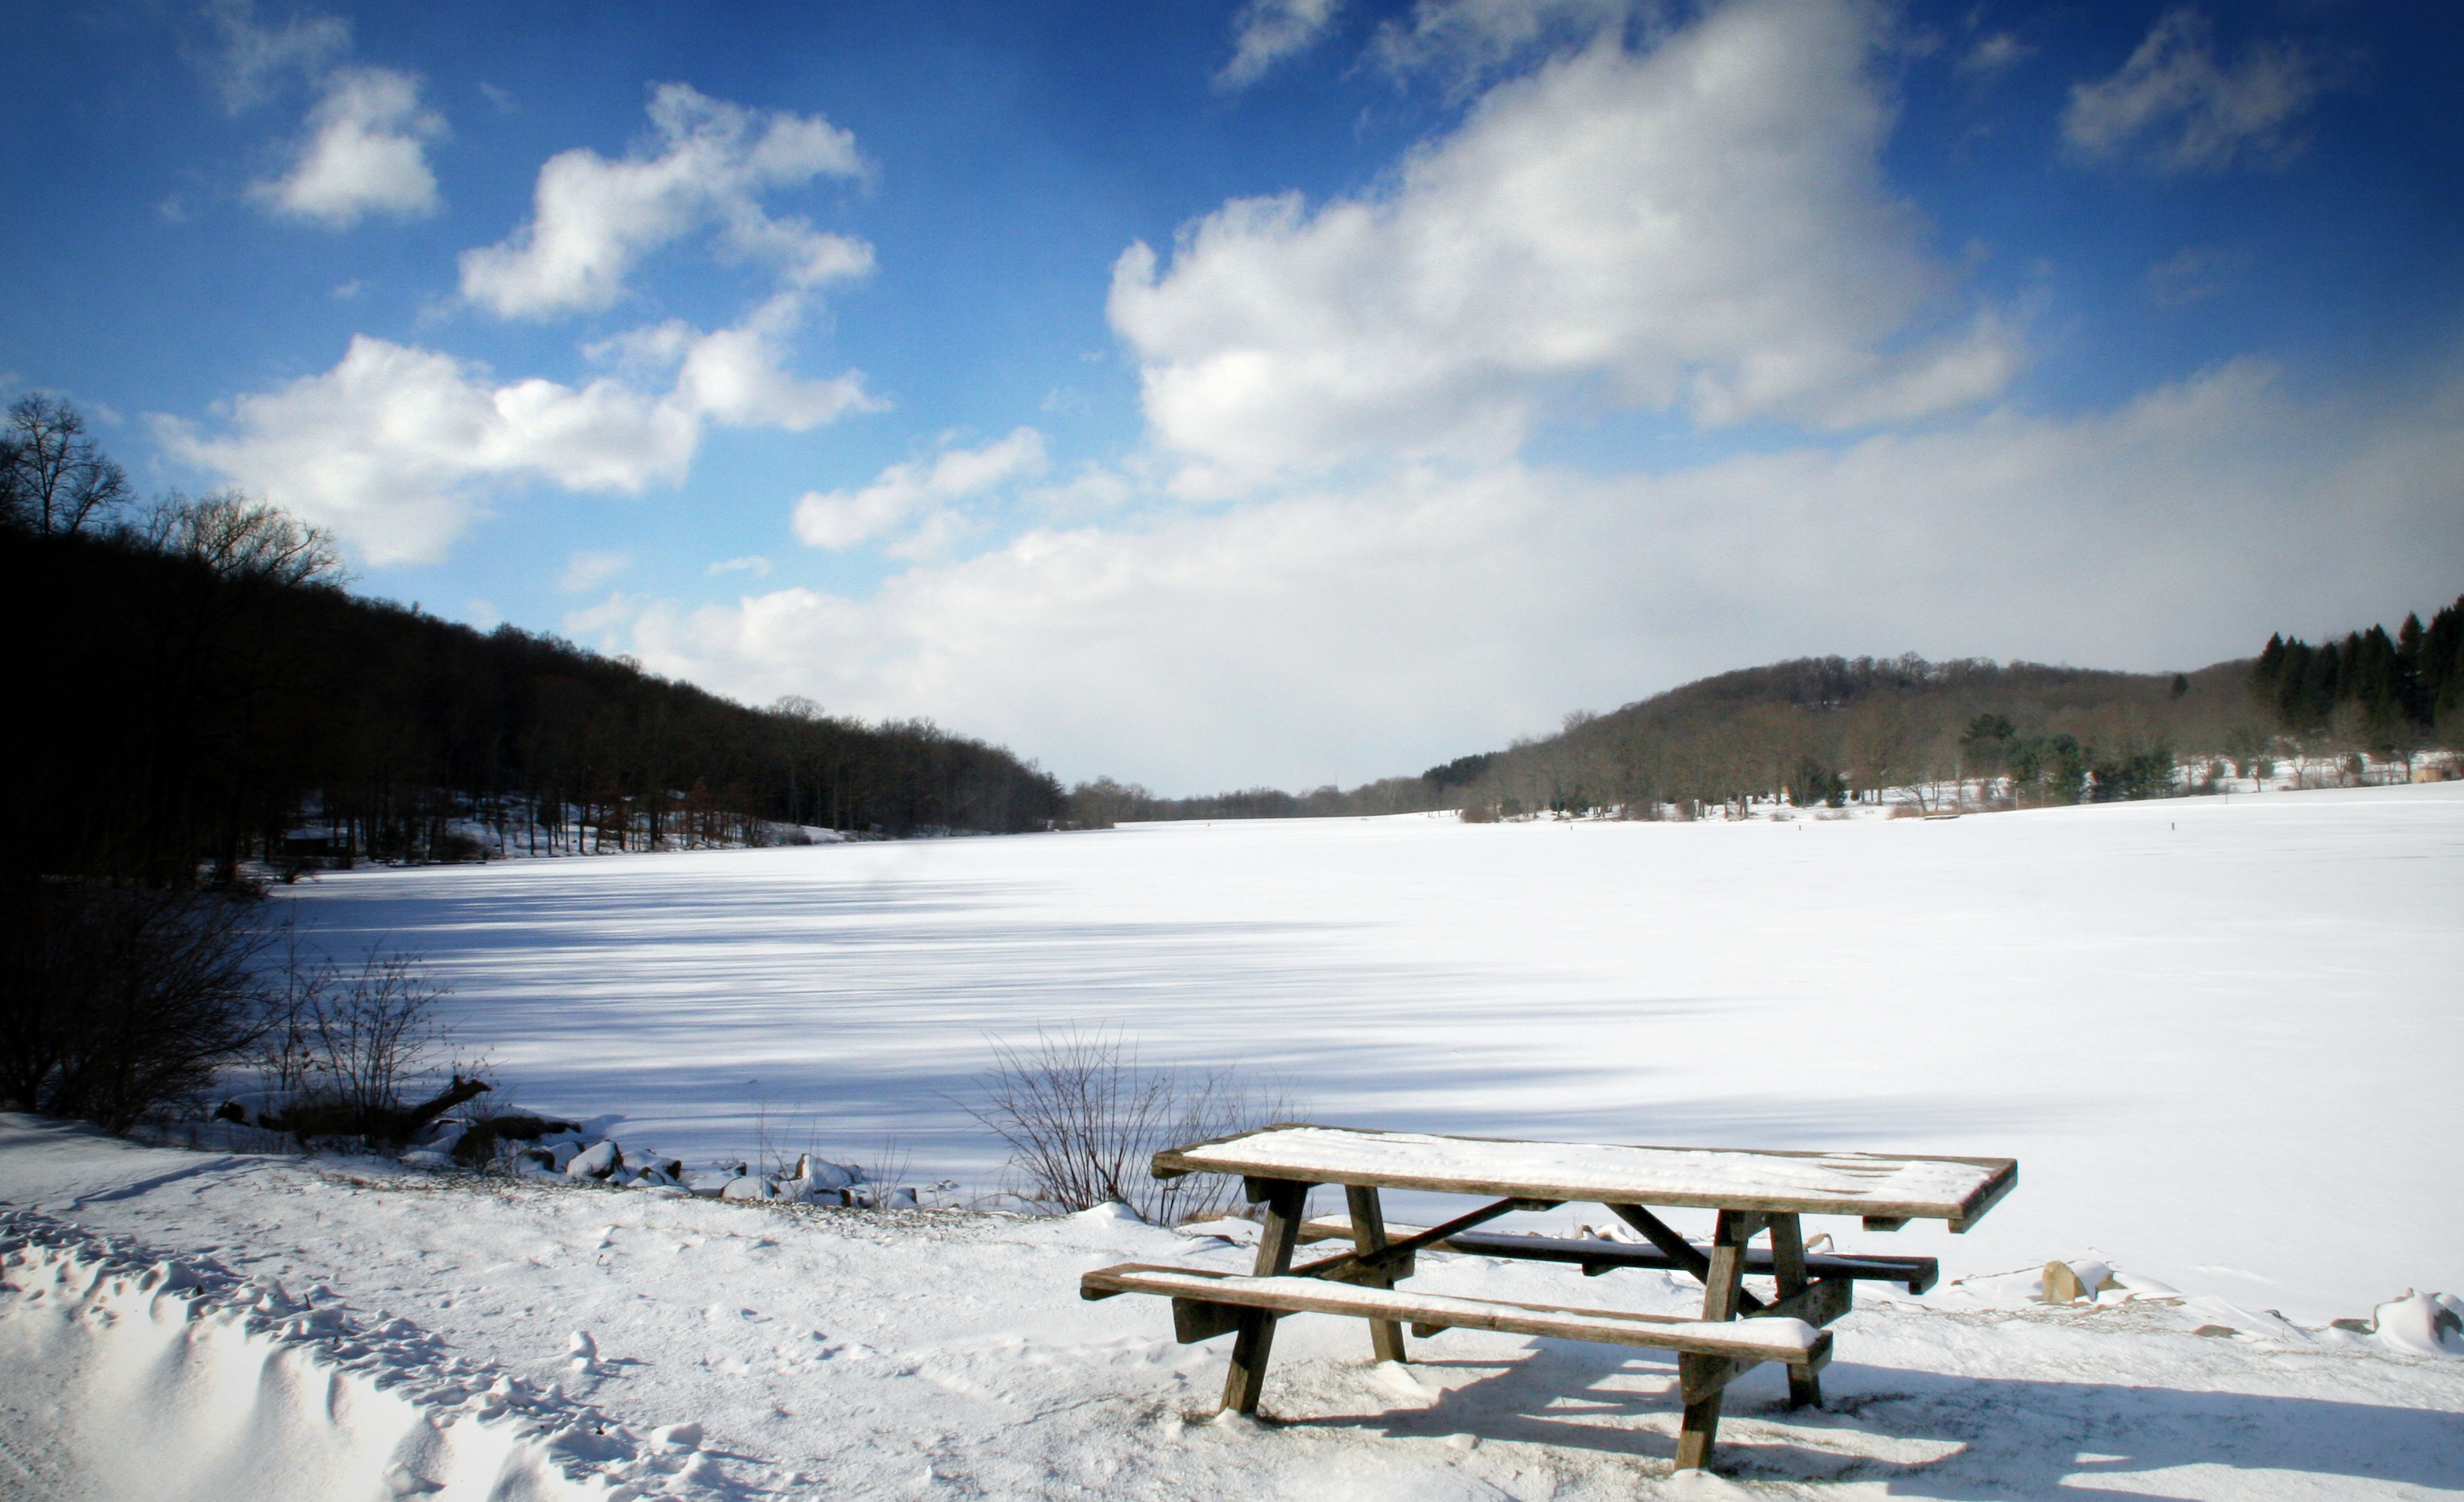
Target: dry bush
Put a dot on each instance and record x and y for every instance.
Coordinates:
(116, 1000)
(1083, 1116)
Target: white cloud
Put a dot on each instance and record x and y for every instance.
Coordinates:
(2179, 110)
(917, 488)
(1345, 634)
(706, 165)
(1266, 32)
(751, 563)
(395, 447)
(2193, 273)
(1993, 54)
(1471, 39)
(248, 59)
(366, 153)
(1703, 227)
(585, 571)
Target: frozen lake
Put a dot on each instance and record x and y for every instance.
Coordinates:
(2216, 1032)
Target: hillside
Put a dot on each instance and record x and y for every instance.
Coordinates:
(1830, 728)
(207, 692)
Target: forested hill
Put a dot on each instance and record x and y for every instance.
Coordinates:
(1824, 728)
(197, 690)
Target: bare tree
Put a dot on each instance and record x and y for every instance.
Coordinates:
(53, 479)
(239, 538)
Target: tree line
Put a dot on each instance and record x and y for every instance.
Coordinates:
(2390, 693)
(197, 689)
(1825, 730)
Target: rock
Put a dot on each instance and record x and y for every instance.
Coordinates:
(2063, 1285)
(745, 1187)
(2356, 1326)
(560, 1152)
(597, 1160)
(712, 1181)
(821, 1175)
(2217, 1331)
(2420, 1323)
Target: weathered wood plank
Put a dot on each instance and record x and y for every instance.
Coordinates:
(1788, 1271)
(1760, 1339)
(1196, 1320)
(1958, 1190)
(1247, 1381)
(1394, 1252)
(1595, 1256)
(1369, 1237)
(1689, 1258)
(1704, 1382)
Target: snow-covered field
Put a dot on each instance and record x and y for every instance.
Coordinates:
(2216, 1032)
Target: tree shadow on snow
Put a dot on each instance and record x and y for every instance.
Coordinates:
(1984, 1437)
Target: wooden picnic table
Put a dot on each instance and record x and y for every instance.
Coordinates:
(1754, 1195)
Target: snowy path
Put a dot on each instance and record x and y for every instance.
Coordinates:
(2213, 1031)
(844, 1355)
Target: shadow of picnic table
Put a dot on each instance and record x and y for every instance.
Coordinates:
(1924, 1434)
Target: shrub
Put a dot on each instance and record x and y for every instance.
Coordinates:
(115, 1000)
(1082, 1118)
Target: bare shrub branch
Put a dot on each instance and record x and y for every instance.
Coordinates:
(1083, 1117)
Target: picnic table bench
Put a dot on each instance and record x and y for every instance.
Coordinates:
(1755, 1194)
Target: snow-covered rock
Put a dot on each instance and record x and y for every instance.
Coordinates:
(819, 1174)
(597, 1160)
(2423, 1324)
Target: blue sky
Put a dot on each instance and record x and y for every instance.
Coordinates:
(1280, 391)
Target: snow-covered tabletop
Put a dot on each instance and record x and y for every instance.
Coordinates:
(1876, 1185)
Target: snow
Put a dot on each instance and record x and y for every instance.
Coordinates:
(2212, 1030)
(2209, 1030)
(592, 1342)
(1538, 1170)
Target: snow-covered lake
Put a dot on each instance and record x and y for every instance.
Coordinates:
(2217, 1033)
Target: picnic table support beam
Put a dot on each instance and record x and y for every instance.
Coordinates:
(1680, 1251)
(1722, 1287)
(1369, 1236)
(1787, 1267)
(1285, 1201)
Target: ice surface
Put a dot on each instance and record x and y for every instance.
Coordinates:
(2172, 1014)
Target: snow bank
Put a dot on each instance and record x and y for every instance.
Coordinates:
(175, 1380)
(734, 1350)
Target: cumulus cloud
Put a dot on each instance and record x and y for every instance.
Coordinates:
(1266, 32)
(364, 153)
(247, 60)
(1471, 39)
(1358, 632)
(1703, 227)
(395, 445)
(1991, 56)
(585, 571)
(917, 489)
(2177, 109)
(705, 165)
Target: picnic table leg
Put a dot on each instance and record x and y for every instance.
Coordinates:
(1723, 1285)
(1256, 1339)
(1368, 1234)
(1788, 1265)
